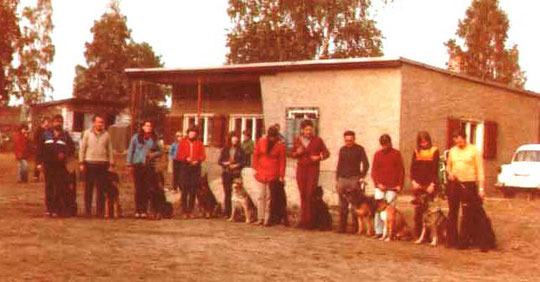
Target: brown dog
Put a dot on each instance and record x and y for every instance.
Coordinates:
(433, 221)
(112, 203)
(395, 226)
(241, 200)
(364, 208)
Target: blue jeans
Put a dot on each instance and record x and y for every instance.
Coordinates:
(22, 171)
(390, 196)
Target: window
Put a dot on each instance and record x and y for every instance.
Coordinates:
(482, 134)
(294, 118)
(527, 156)
(244, 122)
(78, 121)
(204, 123)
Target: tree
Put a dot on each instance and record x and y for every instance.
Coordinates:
(26, 50)
(111, 51)
(281, 30)
(485, 55)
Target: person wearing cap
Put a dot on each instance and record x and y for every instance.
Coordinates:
(191, 153)
(269, 164)
(388, 174)
(309, 150)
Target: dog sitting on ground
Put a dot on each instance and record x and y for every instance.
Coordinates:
(159, 206)
(208, 205)
(241, 201)
(68, 207)
(322, 220)
(364, 208)
(434, 221)
(395, 225)
(112, 203)
(278, 204)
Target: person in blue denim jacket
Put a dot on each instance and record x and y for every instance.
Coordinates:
(143, 152)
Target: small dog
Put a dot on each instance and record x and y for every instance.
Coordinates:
(241, 201)
(208, 205)
(69, 197)
(433, 221)
(322, 220)
(112, 203)
(160, 207)
(364, 208)
(395, 226)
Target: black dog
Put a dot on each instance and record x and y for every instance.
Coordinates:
(112, 195)
(208, 205)
(278, 204)
(322, 220)
(68, 205)
(160, 207)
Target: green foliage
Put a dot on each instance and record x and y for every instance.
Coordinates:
(288, 30)
(26, 50)
(484, 55)
(111, 51)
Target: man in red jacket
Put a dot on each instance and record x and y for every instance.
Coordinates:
(190, 153)
(269, 164)
(310, 150)
(22, 152)
(388, 175)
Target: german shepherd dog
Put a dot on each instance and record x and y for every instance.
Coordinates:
(241, 201)
(395, 226)
(364, 208)
(434, 221)
(322, 220)
(208, 205)
(159, 206)
(112, 203)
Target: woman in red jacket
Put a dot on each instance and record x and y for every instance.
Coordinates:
(22, 152)
(310, 150)
(191, 154)
(269, 164)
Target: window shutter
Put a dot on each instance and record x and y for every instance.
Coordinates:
(490, 139)
(219, 128)
(452, 125)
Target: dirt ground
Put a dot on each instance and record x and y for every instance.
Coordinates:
(41, 249)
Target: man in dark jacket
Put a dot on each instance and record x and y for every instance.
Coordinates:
(53, 151)
(38, 135)
(352, 168)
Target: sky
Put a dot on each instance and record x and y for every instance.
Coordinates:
(193, 33)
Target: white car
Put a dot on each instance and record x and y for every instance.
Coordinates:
(523, 173)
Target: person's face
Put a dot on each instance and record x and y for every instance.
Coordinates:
(99, 124)
(235, 140)
(349, 140)
(424, 144)
(307, 132)
(460, 141)
(57, 123)
(192, 135)
(178, 138)
(45, 124)
(272, 138)
(147, 127)
(24, 131)
(386, 147)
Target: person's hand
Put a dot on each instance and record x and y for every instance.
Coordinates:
(361, 180)
(398, 188)
(382, 187)
(415, 185)
(111, 167)
(451, 176)
(299, 150)
(39, 167)
(315, 158)
(281, 179)
(194, 162)
(81, 168)
(431, 188)
(481, 193)
(226, 163)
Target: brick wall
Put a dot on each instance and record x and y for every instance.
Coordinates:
(429, 98)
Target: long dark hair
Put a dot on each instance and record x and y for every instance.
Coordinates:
(229, 139)
(423, 135)
(140, 132)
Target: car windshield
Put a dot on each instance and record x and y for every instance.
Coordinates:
(527, 156)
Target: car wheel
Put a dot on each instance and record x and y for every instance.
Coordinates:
(508, 192)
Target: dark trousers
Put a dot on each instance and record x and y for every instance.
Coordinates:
(177, 172)
(96, 175)
(227, 179)
(144, 177)
(191, 179)
(248, 160)
(475, 228)
(307, 178)
(56, 179)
